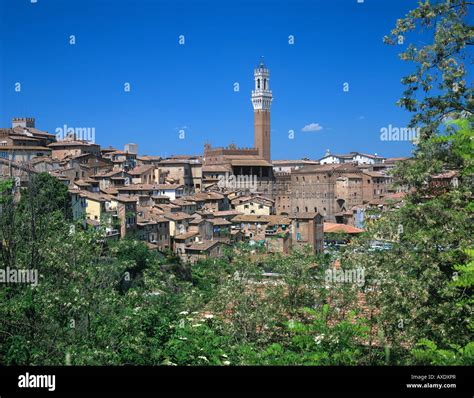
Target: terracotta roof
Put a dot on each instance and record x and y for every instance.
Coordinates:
(40, 159)
(351, 175)
(120, 152)
(82, 183)
(323, 168)
(393, 160)
(279, 220)
(109, 191)
(446, 174)
(167, 207)
(336, 155)
(202, 246)
(293, 162)
(194, 198)
(108, 174)
(25, 148)
(182, 202)
(254, 218)
(149, 187)
(152, 213)
(208, 196)
(81, 155)
(167, 186)
(216, 168)
(376, 174)
(21, 131)
(250, 162)
(23, 137)
(225, 213)
(368, 155)
(395, 195)
(141, 169)
(178, 161)
(108, 149)
(190, 157)
(97, 197)
(177, 216)
(127, 199)
(142, 221)
(304, 215)
(197, 221)
(240, 199)
(149, 158)
(219, 221)
(186, 235)
(72, 143)
(256, 199)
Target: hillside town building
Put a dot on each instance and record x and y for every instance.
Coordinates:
(197, 205)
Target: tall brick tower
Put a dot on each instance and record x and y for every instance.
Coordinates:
(262, 100)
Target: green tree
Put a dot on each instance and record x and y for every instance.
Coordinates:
(438, 88)
(409, 287)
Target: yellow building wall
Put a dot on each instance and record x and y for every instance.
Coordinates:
(172, 228)
(93, 210)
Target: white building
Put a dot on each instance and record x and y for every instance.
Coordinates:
(131, 148)
(352, 157)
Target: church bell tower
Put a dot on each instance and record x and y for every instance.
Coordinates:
(262, 100)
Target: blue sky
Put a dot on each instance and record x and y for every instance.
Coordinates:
(190, 86)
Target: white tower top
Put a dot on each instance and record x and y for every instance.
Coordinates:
(262, 95)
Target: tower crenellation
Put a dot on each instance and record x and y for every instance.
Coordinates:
(26, 122)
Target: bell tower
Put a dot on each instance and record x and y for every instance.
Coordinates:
(261, 101)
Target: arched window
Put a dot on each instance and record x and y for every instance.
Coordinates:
(258, 83)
